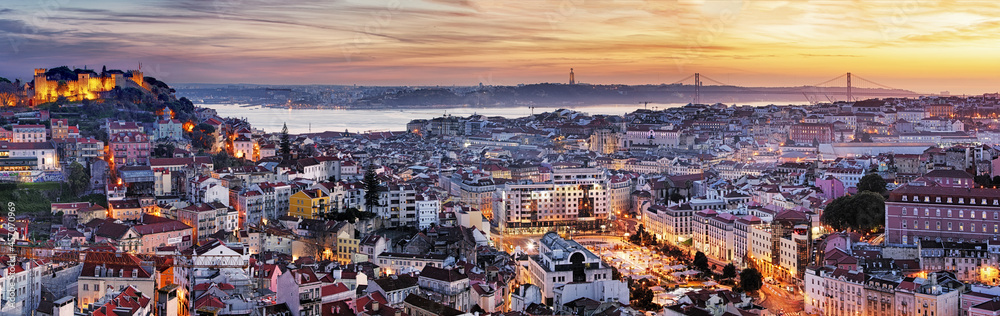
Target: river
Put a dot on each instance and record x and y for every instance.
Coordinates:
(319, 120)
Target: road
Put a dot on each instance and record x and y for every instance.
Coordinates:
(779, 300)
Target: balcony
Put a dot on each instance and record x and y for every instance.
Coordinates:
(305, 299)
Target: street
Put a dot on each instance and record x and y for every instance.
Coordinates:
(778, 300)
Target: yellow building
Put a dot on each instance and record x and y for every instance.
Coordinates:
(347, 246)
(308, 204)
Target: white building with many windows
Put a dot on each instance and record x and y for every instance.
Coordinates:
(560, 261)
(575, 198)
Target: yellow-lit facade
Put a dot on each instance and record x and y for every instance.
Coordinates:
(347, 246)
(85, 87)
(308, 204)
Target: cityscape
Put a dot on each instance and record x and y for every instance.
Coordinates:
(472, 158)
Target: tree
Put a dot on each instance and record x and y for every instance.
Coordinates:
(8, 93)
(862, 212)
(751, 280)
(202, 136)
(984, 180)
(642, 297)
(872, 182)
(372, 186)
(870, 211)
(701, 261)
(164, 150)
(676, 197)
(642, 237)
(996, 181)
(729, 271)
(285, 147)
(836, 214)
(668, 189)
(79, 179)
(688, 185)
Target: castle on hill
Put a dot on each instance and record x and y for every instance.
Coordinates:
(89, 85)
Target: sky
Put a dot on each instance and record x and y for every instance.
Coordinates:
(921, 45)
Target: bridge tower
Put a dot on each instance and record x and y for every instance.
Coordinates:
(850, 97)
(697, 88)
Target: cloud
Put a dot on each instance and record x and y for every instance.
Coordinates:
(455, 41)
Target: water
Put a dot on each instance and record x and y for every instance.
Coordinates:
(319, 120)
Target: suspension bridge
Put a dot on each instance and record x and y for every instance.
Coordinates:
(845, 87)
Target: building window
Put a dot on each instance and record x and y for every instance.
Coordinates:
(904, 211)
(949, 225)
(927, 225)
(937, 213)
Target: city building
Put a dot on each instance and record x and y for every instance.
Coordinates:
(29, 133)
(448, 286)
(129, 148)
(560, 261)
(308, 204)
(939, 213)
(115, 272)
(575, 198)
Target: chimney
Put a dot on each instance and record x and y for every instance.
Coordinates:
(375, 306)
(398, 312)
(461, 270)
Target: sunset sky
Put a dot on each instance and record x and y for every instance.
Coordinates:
(925, 46)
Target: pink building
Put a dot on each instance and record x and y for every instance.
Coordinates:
(988, 308)
(832, 187)
(130, 148)
(934, 212)
(950, 178)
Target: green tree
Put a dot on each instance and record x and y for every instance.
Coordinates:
(642, 297)
(836, 214)
(984, 180)
(285, 147)
(4, 80)
(372, 186)
(700, 261)
(79, 179)
(862, 212)
(729, 271)
(688, 186)
(202, 136)
(870, 211)
(872, 182)
(164, 150)
(751, 280)
(675, 196)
